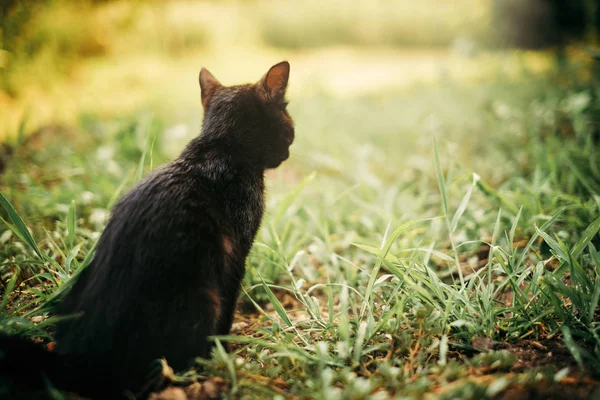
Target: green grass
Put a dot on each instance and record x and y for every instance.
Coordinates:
(406, 227)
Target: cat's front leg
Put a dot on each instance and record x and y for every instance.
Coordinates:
(228, 303)
(229, 296)
(230, 282)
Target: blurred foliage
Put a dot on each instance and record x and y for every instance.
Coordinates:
(44, 40)
(542, 23)
(46, 34)
(400, 23)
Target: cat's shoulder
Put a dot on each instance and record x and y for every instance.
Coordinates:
(164, 194)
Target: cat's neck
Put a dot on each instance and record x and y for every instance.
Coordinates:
(239, 183)
(217, 156)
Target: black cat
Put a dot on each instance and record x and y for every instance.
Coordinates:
(169, 264)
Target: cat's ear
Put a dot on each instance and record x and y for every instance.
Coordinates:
(208, 84)
(275, 81)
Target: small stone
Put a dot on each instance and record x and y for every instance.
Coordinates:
(211, 390)
(170, 393)
(482, 343)
(194, 391)
(239, 326)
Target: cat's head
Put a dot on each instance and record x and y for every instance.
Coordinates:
(251, 119)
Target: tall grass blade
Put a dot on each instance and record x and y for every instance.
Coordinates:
(555, 246)
(572, 345)
(140, 169)
(496, 232)
(330, 309)
(440, 177)
(359, 342)
(20, 229)
(276, 304)
(534, 237)
(21, 129)
(594, 301)
(9, 288)
(513, 228)
(152, 152)
(71, 224)
(228, 363)
(586, 238)
(463, 204)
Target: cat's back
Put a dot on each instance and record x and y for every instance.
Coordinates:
(174, 210)
(170, 221)
(171, 191)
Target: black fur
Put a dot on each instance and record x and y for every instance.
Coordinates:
(169, 264)
(29, 371)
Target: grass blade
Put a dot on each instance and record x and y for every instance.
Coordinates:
(276, 304)
(20, 137)
(20, 229)
(463, 204)
(554, 245)
(586, 237)
(140, 169)
(513, 228)
(440, 177)
(536, 235)
(71, 224)
(330, 309)
(594, 301)
(572, 345)
(228, 363)
(9, 288)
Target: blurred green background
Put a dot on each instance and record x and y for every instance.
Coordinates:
(59, 59)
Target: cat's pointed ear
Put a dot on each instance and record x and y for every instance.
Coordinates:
(208, 84)
(276, 80)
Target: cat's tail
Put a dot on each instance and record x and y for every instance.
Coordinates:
(29, 371)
